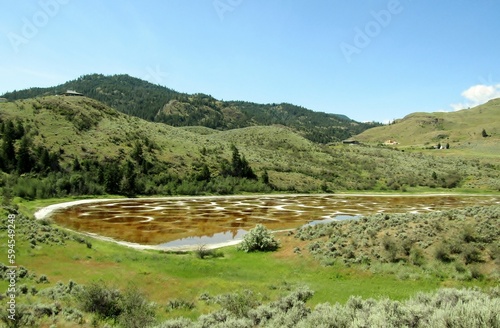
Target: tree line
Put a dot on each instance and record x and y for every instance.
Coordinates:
(33, 171)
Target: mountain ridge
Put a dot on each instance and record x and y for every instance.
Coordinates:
(156, 103)
(88, 142)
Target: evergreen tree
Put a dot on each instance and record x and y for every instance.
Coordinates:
(44, 160)
(239, 166)
(128, 183)
(8, 153)
(54, 162)
(265, 177)
(19, 130)
(112, 176)
(204, 174)
(137, 153)
(76, 165)
(23, 156)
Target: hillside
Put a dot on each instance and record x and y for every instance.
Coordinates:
(461, 129)
(160, 104)
(55, 146)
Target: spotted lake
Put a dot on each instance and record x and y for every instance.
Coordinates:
(189, 221)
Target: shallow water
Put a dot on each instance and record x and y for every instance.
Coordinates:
(175, 222)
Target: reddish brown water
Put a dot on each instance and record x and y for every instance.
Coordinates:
(190, 221)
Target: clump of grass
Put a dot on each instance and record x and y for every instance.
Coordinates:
(203, 252)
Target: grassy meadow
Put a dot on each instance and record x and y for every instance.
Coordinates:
(172, 280)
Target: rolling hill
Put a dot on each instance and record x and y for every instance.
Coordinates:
(97, 149)
(461, 129)
(160, 104)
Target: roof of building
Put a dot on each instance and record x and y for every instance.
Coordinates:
(73, 93)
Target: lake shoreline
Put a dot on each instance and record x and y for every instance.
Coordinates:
(46, 212)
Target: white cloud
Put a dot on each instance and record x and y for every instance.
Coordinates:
(477, 95)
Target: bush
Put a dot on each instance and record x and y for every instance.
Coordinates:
(136, 311)
(101, 300)
(391, 248)
(417, 256)
(238, 303)
(203, 252)
(259, 239)
(176, 304)
(442, 253)
(471, 254)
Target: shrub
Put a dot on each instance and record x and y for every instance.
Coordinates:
(442, 253)
(417, 256)
(468, 234)
(259, 239)
(88, 243)
(180, 304)
(43, 279)
(471, 254)
(101, 300)
(238, 303)
(391, 248)
(202, 252)
(24, 317)
(136, 311)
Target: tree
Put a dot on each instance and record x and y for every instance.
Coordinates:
(434, 175)
(204, 174)
(265, 177)
(23, 156)
(76, 164)
(44, 160)
(8, 153)
(138, 153)
(128, 183)
(239, 166)
(112, 178)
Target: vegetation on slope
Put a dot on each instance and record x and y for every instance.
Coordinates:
(464, 129)
(466, 238)
(58, 146)
(160, 104)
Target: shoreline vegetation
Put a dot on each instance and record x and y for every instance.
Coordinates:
(45, 212)
(370, 266)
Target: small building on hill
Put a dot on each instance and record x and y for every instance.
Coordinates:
(72, 93)
(391, 142)
(2, 100)
(350, 142)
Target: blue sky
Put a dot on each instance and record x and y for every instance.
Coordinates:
(370, 60)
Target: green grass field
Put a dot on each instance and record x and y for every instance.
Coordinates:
(163, 277)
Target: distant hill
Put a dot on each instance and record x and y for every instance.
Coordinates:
(462, 128)
(55, 145)
(156, 103)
